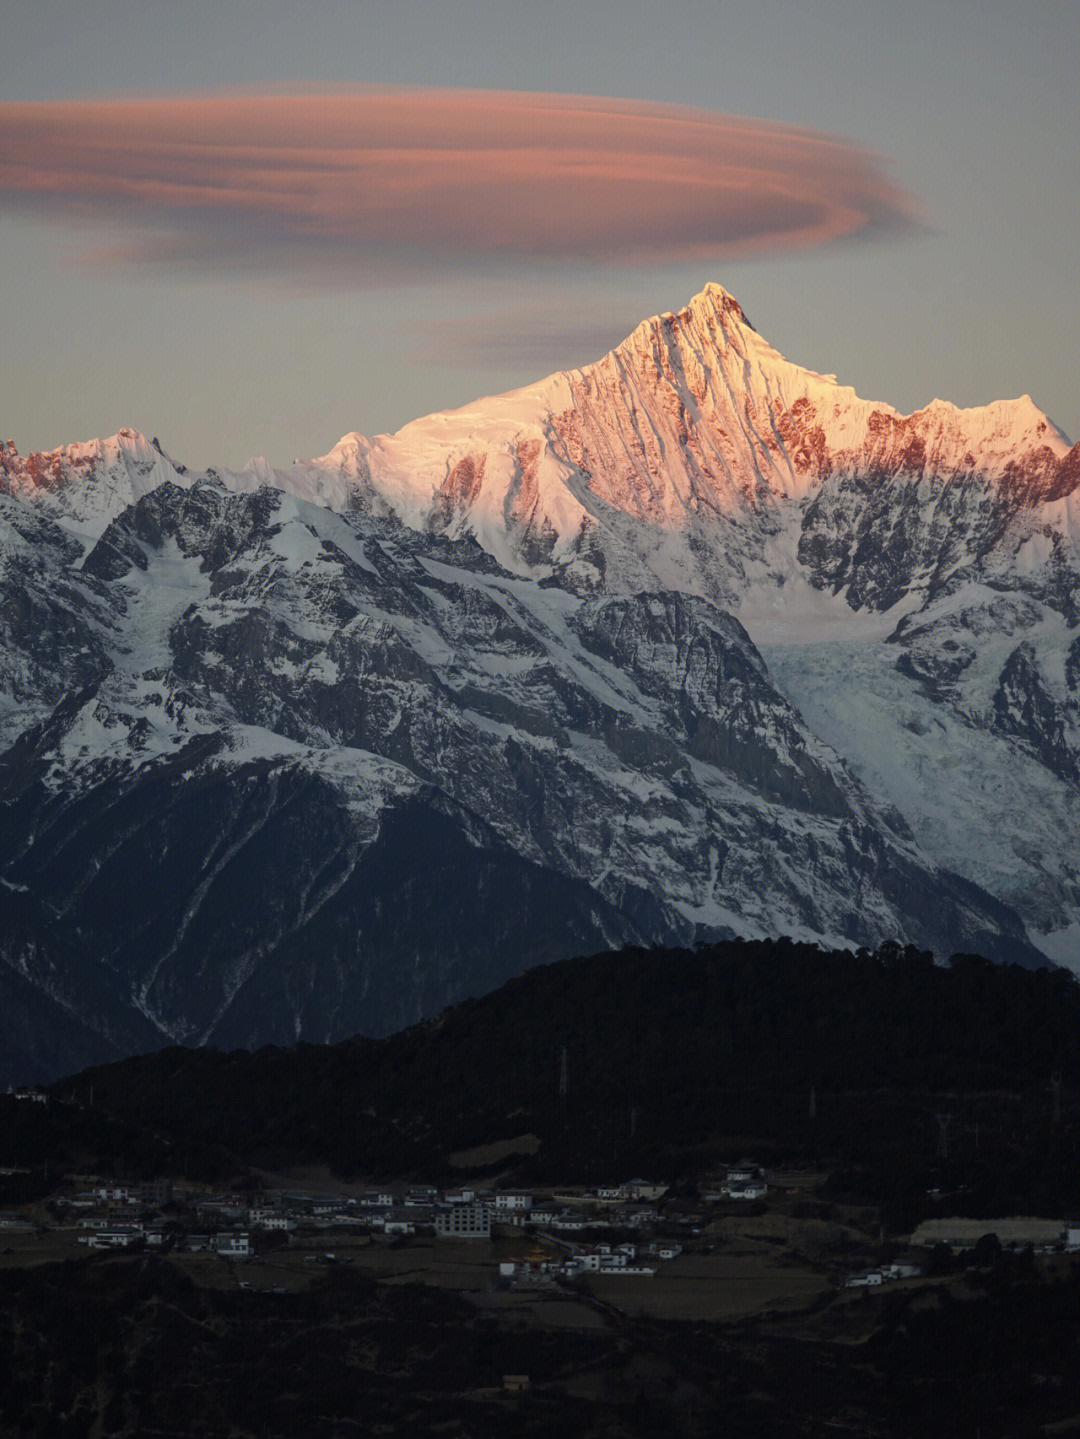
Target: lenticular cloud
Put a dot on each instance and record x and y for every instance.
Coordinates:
(392, 183)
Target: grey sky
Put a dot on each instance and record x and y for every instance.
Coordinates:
(974, 107)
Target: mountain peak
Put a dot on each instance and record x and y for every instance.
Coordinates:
(88, 483)
(714, 299)
(712, 313)
(693, 417)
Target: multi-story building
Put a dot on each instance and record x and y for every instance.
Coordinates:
(463, 1221)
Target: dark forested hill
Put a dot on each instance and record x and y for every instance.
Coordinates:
(659, 1061)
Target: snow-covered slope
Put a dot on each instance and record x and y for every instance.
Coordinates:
(327, 773)
(86, 485)
(499, 650)
(693, 455)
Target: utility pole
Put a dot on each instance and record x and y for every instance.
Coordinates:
(564, 1074)
(944, 1121)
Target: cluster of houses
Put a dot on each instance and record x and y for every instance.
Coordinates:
(1044, 1236)
(118, 1216)
(35, 1096)
(870, 1278)
(601, 1259)
(621, 1206)
(114, 1215)
(469, 1213)
(618, 1259)
(745, 1180)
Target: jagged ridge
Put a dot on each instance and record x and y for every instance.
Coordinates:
(913, 582)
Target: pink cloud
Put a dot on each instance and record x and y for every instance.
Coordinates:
(397, 183)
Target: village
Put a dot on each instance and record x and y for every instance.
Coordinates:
(720, 1230)
(174, 1216)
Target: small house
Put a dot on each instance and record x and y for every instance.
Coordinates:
(644, 1189)
(514, 1200)
(233, 1244)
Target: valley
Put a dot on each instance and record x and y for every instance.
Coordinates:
(827, 1282)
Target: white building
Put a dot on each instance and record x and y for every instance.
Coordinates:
(747, 1189)
(745, 1180)
(115, 1194)
(569, 1223)
(638, 1218)
(117, 1237)
(463, 1221)
(516, 1200)
(901, 1270)
(602, 1258)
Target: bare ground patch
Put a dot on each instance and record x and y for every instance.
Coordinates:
(713, 1288)
(492, 1153)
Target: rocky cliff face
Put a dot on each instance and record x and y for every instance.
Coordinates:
(694, 456)
(323, 773)
(691, 642)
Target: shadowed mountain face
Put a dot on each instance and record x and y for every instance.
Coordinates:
(689, 643)
(329, 774)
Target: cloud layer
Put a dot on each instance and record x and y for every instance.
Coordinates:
(398, 184)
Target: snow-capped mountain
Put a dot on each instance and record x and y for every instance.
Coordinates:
(690, 641)
(693, 456)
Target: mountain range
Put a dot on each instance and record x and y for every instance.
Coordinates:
(687, 644)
